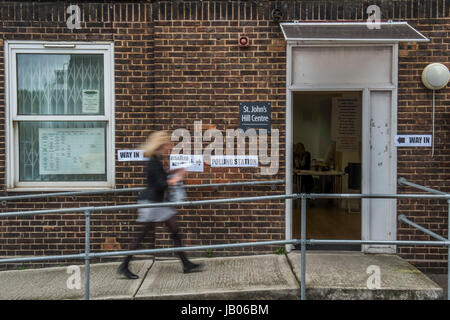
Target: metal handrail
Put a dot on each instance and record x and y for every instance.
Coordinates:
(148, 205)
(403, 181)
(224, 246)
(225, 200)
(444, 196)
(137, 189)
(303, 241)
(403, 218)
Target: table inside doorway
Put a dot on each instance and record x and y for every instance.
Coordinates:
(337, 178)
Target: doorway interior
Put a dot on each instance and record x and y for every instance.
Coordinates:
(327, 159)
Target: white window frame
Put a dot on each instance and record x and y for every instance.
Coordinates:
(12, 48)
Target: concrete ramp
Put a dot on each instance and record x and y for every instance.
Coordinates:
(329, 275)
(354, 276)
(58, 283)
(246, 277)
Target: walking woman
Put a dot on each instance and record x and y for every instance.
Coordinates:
(158, 144)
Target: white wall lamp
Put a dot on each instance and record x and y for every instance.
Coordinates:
(435, 76)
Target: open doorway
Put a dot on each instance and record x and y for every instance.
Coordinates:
(327, 159)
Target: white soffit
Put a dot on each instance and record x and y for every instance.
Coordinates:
(387, 32)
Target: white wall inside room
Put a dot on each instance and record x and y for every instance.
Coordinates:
(312, 116)
(312, 124)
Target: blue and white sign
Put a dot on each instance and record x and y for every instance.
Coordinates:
(423, 140)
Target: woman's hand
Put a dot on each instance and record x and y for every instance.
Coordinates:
(177, 177)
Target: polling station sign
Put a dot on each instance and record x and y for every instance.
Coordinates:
(415, 140)
(234, 161)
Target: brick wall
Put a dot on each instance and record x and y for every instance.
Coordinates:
(132, 35)
(415, 116)
(201, 74)
(153, 92)
(177, 62)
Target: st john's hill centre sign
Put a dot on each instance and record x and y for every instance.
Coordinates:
(254, 115)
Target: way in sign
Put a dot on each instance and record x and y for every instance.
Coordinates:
(419, 139)
(130, 155)
(413, 140)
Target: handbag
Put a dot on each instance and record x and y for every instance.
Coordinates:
(176, 193)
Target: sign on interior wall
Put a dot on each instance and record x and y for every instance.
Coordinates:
(71, 151)
(424, 140)
(191, 163)
(254, 115)
(234, 161)
(131, 155)
(346, 123)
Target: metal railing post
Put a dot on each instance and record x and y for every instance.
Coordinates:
(303, 249)
(87, 251)
(448, 252)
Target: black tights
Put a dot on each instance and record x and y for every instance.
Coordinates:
(173, 228)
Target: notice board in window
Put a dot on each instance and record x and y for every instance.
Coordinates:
(71, 151)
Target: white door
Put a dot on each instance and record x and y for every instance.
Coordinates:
(379, 168)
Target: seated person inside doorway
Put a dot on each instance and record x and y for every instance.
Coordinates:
(302, 161)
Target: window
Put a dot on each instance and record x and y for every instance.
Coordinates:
(60, 115)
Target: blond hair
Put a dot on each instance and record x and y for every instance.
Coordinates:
(154, 141)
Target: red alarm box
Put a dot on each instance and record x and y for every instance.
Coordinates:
(243, 41)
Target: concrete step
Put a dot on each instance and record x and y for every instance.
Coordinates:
(352, 276)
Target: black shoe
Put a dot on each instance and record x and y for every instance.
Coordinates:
(190, 266)
(123, 269)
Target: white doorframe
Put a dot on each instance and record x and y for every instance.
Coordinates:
(366, 89)
(288, 147)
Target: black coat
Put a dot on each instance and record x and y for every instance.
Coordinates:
(156, 181)
(307, 181)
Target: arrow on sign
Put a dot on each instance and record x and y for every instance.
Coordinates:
(401, 140)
